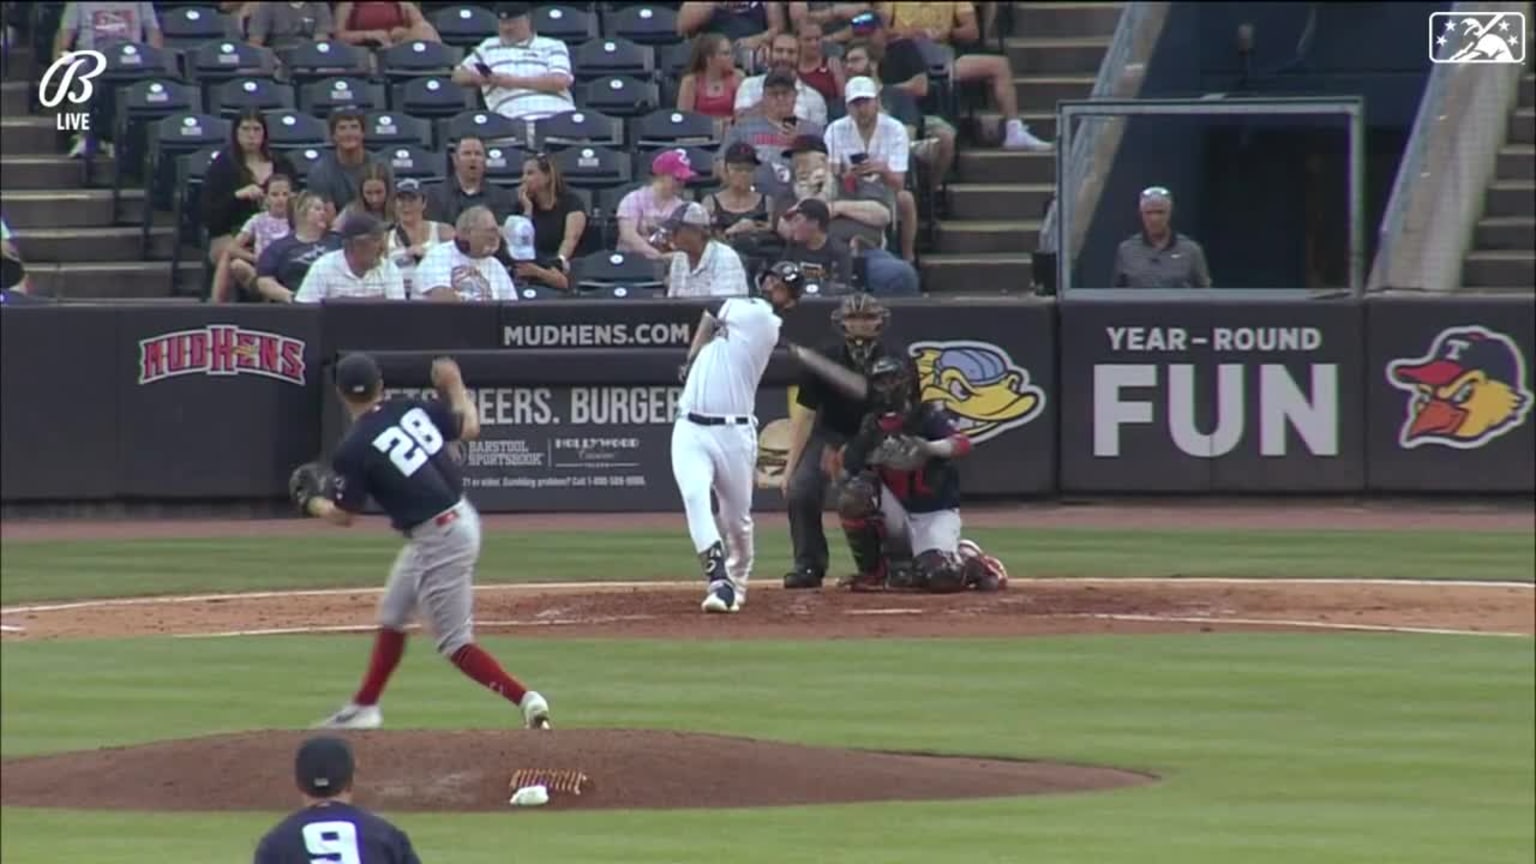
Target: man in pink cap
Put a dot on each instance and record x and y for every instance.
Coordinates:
(644, 210)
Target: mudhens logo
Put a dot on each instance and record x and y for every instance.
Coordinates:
(985, 392)
(1469, 389)
(221, 349)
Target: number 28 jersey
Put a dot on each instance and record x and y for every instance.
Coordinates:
(338, 833)
(398, 453)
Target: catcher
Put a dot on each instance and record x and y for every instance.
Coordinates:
(900, 488)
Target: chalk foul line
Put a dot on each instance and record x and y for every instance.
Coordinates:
(1282, 622)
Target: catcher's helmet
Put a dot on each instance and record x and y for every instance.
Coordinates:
(891, 384)
(861, 318)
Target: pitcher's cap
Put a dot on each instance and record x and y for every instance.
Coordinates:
(357, 375)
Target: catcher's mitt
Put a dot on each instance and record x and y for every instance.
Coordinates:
(308, 481)
(900, 453)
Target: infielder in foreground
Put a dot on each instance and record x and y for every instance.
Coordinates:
(397, 452)
(899, 481)
(714, 441)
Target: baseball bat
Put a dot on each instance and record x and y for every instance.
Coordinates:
(846, 380)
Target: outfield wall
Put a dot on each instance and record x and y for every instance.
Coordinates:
(155, 403)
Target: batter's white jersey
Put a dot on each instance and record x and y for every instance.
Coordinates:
(724, 377)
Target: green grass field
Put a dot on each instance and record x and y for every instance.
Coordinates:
(1272, 747)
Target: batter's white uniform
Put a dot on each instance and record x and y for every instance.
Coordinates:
(714, 441)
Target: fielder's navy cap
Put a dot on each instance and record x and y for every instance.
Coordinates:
(357, 375)
(323, 767)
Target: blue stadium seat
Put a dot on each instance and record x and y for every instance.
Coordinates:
(672, 60)
(594, 167)
(310, 61)
(191, 26)
(566, 23)
(180, 134)
(598, 57)
(406, 160)
(602, 272)
(303, 159)
(229, 98)
(418, 58)
(220, 61)
(190, 169)
(485, 125)
(578, 127)
(617, 95)
(641, 23)
(325, 95)
(464, 25)
(432, 97)
(504, 165)
(288, 129)
(138, 105)
(382, 128)
(127, 63)
(701, 158)
(670, 127)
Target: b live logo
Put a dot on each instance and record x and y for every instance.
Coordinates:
(69, 79)
(1281, 402)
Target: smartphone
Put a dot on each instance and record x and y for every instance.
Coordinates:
(483, 69)
(858, 158)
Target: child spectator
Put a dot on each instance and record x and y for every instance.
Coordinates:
(238, 263)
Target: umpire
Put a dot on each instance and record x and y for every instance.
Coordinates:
(830, 419)
(329, 827)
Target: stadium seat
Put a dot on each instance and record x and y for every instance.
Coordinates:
(220, 61)
(303, 159)
(382, 128)
(594, 167)
(602, 272)
(190, 170)
(229, 98)
(539, 292)
(578, 127)
(701, 158)
(641, 23)
(288, 129)
(310, 61)
(191, 26)
(464, 25)
(504, 165)
(941, 93)
(431, 97)
(669, 127)
(596, 58)
(322, 97)
(140, 104)
(405, 160)
(486, 125)
(180, 134)
(418, 58)
(127, 63)
(672, 60)
(566, 23)
(617, 95)
(602, 212)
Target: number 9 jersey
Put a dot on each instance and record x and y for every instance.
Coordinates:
(398, 454)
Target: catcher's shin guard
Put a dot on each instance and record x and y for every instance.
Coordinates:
(866, 541)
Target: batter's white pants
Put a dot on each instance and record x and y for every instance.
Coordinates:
(939, 530)
(720, 459)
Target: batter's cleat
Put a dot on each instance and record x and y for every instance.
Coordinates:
(535, 711)
(805, 577)
(722, 597)
(354, 717)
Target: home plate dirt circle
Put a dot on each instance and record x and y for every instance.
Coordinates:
(469, 771)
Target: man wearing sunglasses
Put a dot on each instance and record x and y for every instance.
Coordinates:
(1158, 256)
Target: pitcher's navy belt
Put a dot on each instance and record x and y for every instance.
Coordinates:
(726, 420)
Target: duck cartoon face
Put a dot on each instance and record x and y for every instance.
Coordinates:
(985, 392)
(1468, 390)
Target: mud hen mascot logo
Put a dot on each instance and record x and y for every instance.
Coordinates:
(1469, 389)
(985, 392)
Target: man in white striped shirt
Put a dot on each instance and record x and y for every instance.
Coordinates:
(521, 75)
(359, 270)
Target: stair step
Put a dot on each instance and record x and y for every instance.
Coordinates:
(1066, 19)
(1510, 198)
(26, 209)
(52, 172)
(1042, 92)
(1499, 269)
(1522, 126)
(27, 135)
(118, 279)
(14, 98)
(97, 244)
(999, 200)
(1072, 55)
(955, 237)
(1006, 166)
(1528, 91)
(1516, 162)
(1510, 233)
(1007, 273)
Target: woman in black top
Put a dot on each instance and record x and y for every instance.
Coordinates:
(232, 190)
(558, 221)
(742, 215)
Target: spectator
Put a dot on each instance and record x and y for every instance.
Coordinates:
(358, 270)
(282, 268)
(92, 26)
(710, 84)
(238, 262)
(13, 271)
(956, 22)
(558, 221)
(748, 25)
(821, 73)
(376, 195)
(380, 25)
(338, 174)
(741, 215)
(783, 60)
(824, 259)
(870, 146)
(233, 187)
(933, 143)
(770, 131)
(645, 210)
(466, 270)
(468, 186)
(832, 18)
(521, 75)
(323, 770)
(1158, 256)
(413, 234)
(238, 14)
(283, 26)
(701, 266)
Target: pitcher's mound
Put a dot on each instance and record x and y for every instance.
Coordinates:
(421, 770)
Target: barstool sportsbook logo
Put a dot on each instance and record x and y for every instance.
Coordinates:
(69, 79)
(1477, 37)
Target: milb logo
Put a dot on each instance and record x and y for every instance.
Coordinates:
(221, 349)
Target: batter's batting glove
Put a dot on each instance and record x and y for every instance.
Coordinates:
(307, 482)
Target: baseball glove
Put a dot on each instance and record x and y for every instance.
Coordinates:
(308, 481)
(900, 453)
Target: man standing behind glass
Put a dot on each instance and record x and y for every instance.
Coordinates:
(1158, 256)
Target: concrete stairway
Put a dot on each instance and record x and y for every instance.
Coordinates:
(998, 200)
(1503, 255)
(65, 230)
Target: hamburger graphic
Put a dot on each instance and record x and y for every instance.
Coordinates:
(773, 453)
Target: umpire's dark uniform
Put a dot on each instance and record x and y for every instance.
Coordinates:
(837, 420)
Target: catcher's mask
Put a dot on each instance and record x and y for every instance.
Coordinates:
(786, 273)
(890, 385)
(861, 318)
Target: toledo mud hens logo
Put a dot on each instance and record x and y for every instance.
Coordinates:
(221, 349)
(985, 392)
(1468, 390)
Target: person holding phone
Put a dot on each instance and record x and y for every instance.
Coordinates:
(870, 146)
(783, 59)
(770, 132)
(521, 74)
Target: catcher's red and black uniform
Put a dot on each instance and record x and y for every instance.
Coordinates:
(933, 487)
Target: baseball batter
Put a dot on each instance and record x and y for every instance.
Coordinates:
(714, 440)
(398, 453)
